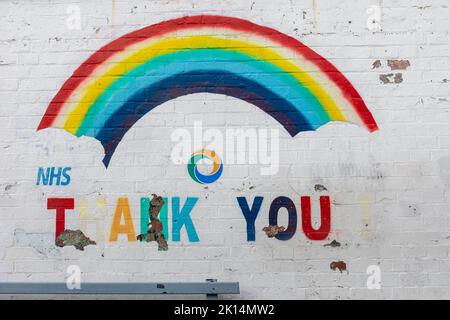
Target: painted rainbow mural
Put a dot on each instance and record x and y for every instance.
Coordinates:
(135, 73)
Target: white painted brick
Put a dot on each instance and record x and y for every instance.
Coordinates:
(34, 266)
(392, 184)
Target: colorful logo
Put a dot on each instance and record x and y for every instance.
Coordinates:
(216, 171)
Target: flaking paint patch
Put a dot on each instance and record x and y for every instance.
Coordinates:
(271, 231)
(391, 78)
(155, 230)
(340, 265)
(74, 238)
(376, 64)
(398, 64)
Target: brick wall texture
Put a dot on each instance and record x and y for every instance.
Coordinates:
(388, 189)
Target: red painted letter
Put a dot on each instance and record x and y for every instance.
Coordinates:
(60, 204)
(325, 218)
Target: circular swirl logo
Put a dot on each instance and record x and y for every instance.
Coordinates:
(216, 171)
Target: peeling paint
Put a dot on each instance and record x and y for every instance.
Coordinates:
(391, 78)
(333, 244)
(398, 64)
(74, 238)
(155, 231)
(272, 231)
(340, 265)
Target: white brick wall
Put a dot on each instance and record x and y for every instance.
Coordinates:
(389, 189)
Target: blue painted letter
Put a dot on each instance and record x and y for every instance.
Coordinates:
(180, 218)
(277, 204)
(250, 214)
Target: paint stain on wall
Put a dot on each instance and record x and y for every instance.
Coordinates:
(74, 238)
(271, 231)
(43, 243)
(366, 232)
(320, 187)
(333, 244)
(113, 15)
(8, 187)
(340, 265)
(398, 64)
(413, 209)
(95, 219)
(155, 230)
(376, 64)
(314, 10)
(391, 78)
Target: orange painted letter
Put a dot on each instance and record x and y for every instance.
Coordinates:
(122, 208)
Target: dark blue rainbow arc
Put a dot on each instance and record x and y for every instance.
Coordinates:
(210, 81)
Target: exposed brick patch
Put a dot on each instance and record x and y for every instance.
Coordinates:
(398, 64)
(340, 265)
